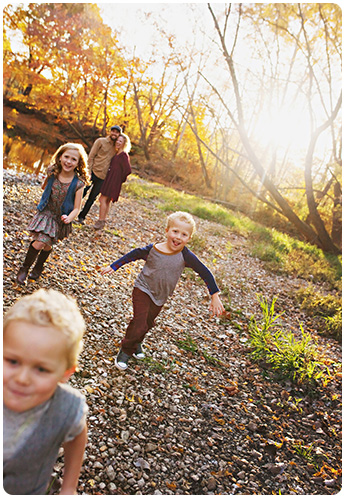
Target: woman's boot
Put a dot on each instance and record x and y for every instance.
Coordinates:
(100, 224)
(37, 271)
(29, 260)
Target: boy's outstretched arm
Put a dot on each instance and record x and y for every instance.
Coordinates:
(216, 306)
(136, 254)
(73, 458)
(106, 270)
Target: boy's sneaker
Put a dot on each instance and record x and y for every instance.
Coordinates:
(122, 360)
(139, 354)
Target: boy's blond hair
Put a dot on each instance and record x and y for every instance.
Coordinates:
(184, 217)
(52, 309)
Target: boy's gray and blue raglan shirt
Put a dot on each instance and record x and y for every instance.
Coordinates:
(162, 271)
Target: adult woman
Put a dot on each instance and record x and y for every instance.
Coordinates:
(118, 171)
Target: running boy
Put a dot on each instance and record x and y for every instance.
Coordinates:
(165, 262)
(42, 340)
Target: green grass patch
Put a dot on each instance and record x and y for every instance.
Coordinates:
(327, 307)
(295, 359)
(154, 365)
(211, 360)
(189, 345)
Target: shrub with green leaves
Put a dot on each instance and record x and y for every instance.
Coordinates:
(297, 359)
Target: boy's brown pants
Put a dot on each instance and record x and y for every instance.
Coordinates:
(144, 314)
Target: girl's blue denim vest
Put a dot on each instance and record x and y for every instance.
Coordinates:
(68, 204)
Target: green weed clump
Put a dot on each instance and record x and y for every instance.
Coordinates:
(327, 307)
(298, 360)
(189, 344)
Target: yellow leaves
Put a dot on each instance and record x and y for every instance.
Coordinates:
(91, 390)
(220, 421)
(70, 257)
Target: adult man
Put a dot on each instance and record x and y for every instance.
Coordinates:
(99, 160)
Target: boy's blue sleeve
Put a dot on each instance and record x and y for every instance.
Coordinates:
(191, 260)
(136, 254)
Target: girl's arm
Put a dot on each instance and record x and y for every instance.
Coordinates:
(73, 458)
(77, 204)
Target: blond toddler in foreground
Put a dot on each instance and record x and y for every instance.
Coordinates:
(42, 339)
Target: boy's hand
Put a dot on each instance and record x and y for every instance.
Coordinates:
(107, 270)
(216, 306)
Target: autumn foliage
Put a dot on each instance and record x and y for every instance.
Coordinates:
(217, 121)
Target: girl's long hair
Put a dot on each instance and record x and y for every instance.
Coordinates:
(82, 167)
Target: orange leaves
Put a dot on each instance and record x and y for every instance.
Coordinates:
(171, 486)
(231, 389)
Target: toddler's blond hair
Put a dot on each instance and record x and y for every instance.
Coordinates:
(184, 217)
(52, 309)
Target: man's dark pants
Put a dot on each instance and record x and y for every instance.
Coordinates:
(96, 184)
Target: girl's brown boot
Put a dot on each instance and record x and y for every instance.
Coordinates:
(29, 260)
(37, 271)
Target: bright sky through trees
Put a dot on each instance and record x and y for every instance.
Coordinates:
(135, 22)
(228, 93)
(138, 25)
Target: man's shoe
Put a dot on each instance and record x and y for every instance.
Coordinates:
(122, 360)
(139, 354)
(81, 220)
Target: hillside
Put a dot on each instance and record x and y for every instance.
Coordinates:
(197, 416)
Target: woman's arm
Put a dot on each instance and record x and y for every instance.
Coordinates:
(73, 459)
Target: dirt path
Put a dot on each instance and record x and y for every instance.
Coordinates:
(197, 416)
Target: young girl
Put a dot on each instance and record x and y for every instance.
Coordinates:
(59, 205)
(42, 339)
(164, 263)
(118, 171)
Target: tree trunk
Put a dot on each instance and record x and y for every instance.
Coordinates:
(337, 216)
(319, 238)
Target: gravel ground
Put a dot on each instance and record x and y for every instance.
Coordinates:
(197, 416)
